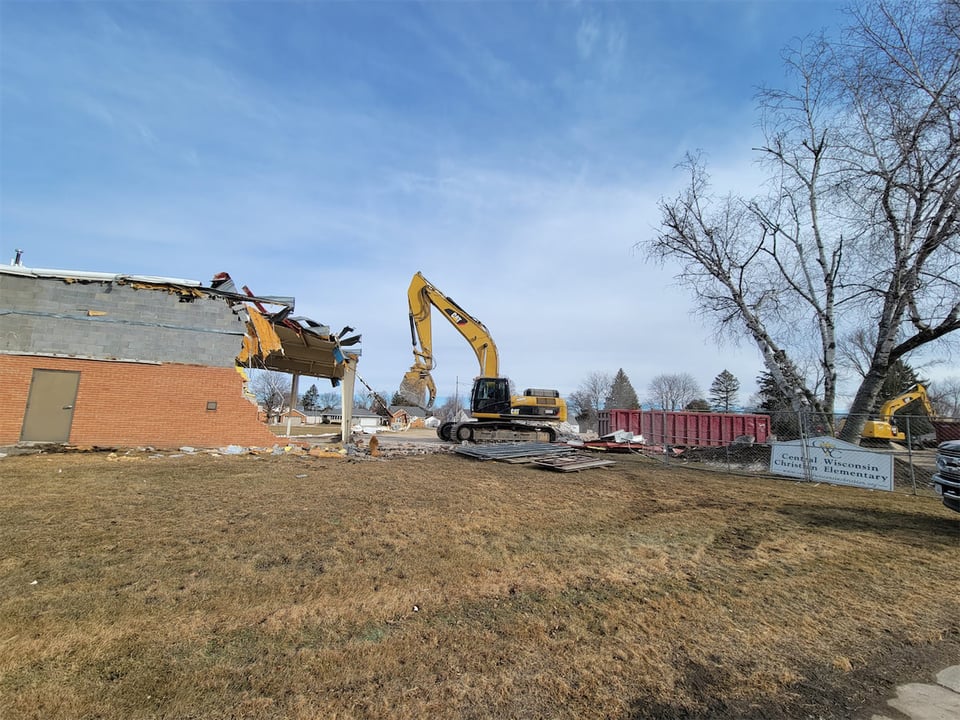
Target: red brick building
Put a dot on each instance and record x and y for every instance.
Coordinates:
(112, 360)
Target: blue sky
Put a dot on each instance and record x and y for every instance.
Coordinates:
(512, 152)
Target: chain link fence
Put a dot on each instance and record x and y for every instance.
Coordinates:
(803, 446)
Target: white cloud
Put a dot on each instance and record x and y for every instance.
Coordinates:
(588, 34)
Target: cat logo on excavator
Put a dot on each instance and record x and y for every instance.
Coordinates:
(455, 316)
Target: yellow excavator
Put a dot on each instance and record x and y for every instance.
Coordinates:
(498, 416)
(886, 428)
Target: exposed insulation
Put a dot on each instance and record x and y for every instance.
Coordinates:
(261, 339)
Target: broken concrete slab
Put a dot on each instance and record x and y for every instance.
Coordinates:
(950, 678)
(926, 701)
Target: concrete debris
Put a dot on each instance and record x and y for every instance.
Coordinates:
(320, 452)
(361, 447)
(567, 430)
(623, 436)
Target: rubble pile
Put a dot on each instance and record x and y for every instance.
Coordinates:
(360, 447)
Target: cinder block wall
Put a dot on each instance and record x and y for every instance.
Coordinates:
(113, 320)
(137, 404)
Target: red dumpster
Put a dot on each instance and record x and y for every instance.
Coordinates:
(689, 429)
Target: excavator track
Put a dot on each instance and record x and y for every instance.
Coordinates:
(495, 431)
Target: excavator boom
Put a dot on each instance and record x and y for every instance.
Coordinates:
(417, 384)
(915, 393)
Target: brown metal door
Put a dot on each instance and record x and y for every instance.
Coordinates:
(50, 406)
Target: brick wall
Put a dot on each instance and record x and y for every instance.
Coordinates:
(138, 404)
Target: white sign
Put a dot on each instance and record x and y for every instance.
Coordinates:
(832, 461)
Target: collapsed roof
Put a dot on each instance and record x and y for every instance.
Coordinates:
(274, 340)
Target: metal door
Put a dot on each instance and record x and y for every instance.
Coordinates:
(50, 406)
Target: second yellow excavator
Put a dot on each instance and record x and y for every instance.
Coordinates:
(497, 416)
(913, 402)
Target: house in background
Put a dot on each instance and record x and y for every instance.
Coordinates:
(408, 415)
(323, 419)
(85, 355)
(294, 417)
(367, 419)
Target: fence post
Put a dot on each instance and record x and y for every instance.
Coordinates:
(663, 435)
(913, 477)
(805, 450)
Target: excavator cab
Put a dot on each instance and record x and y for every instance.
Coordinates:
(491, 395)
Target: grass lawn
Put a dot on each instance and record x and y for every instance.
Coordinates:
(437, 586)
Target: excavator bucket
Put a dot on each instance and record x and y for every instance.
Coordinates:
(418, 388)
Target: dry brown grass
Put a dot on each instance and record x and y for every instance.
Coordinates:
(436, 586)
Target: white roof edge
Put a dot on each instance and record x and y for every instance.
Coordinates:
(88, 275)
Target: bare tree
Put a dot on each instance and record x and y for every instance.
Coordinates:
(862, 213)
(673, 392)
(587, 401)
(330, 399)
(272, 390)
(450, 409)
(945, 397)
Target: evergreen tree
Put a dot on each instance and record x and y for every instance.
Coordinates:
(311, 398)
(900, 378)
(622, 396)
(698, 405)
(723, 391)
(784, 422)
(771, 399)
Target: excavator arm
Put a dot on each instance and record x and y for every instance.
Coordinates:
(417, 383)
(913, 394)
